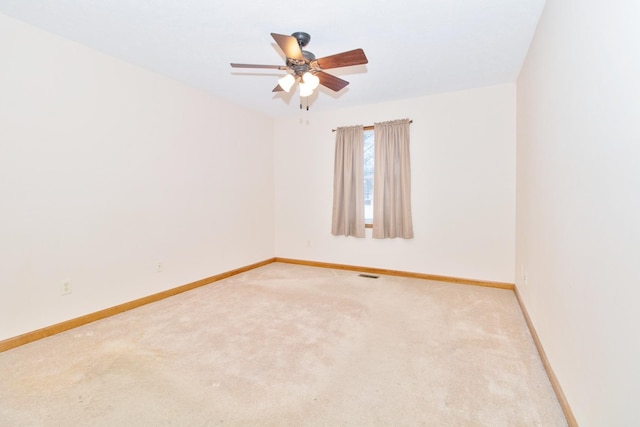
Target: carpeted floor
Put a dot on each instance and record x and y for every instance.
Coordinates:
(289, 345)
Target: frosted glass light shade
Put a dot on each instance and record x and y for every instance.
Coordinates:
(286, 82)
(311, 79)
(305, 89)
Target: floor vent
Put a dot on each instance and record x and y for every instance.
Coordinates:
(369, 276)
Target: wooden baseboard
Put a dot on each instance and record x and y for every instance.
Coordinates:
(108, 312)
(112, 311)
(564, 404)
(500, 285)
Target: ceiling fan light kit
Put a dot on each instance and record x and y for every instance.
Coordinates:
(303, 67)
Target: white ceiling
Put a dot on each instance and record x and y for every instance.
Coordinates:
(414, 47)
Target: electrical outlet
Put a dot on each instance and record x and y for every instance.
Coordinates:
(65, 287)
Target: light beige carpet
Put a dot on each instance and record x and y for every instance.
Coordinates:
(288, 345)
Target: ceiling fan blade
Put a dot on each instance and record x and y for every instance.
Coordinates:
(277, 89)
(344, 59)
(332, 82)
(289, 46)
(276, 67)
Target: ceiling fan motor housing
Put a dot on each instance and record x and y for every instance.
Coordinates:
(299, 66)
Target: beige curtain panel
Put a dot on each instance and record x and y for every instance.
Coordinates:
(392, 181)
(348, 183)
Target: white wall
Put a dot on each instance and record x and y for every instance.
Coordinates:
(463, 186)
(106, 170)
(578, 202)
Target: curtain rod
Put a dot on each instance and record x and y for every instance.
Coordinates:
(368, 127)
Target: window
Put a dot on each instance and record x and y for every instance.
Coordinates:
(366, 169)
(369, 153)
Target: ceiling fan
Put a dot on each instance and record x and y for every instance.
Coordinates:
(303, 67)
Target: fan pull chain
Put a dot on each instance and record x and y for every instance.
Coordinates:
(307, 99)
(301, 104)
